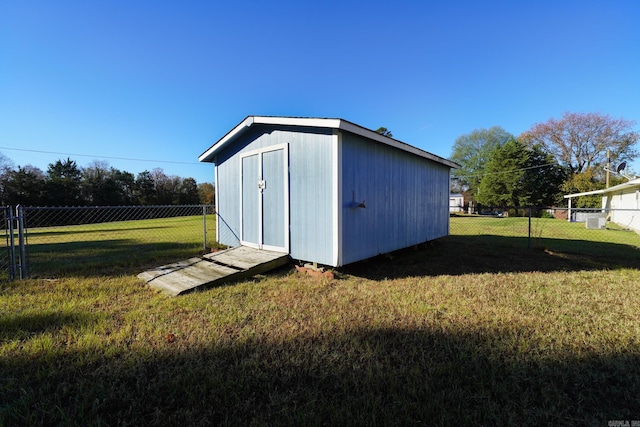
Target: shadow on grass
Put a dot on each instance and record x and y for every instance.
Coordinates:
(104, 257)
(360, 377)
(45, 233)
(24, 326)
(452, 255)
(458, 255)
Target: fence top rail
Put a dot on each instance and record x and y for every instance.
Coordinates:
(111, 207)
(550, 208)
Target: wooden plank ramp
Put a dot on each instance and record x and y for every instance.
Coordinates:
(212, 269)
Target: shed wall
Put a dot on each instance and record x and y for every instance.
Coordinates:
(406, 198)
(310, 188)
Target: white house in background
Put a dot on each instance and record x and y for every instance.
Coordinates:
(621, 202)
(456, 202)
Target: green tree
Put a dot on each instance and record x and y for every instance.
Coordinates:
(384, 131)
(107, 186)
(144, 189)
(207, 193)
(503, 175)
(164, 187)
(99, 185)
(63, 184)
(126, 186)
(6, 168)
(517, 175)
(543, 178)
(24, 186)
(582, 183)
(188, 192)
(472, 152)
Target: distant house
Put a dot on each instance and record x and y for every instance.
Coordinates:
(325, 190)
(456, 202)
(621, 203)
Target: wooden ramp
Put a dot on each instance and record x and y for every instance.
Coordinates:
(212, 269)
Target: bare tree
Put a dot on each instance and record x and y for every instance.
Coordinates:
(580, 141)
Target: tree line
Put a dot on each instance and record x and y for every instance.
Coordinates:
(66, 184)
(537, 168)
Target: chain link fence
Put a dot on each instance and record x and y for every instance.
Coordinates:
(126, 239)
(8, 254)
(612, 233)
(112, 239)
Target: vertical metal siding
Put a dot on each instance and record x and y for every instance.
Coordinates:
(228, 207)
(250, 203)
(310, 191)
(311, 197)
(273, 199)
(406, 199)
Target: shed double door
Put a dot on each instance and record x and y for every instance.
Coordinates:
(265, 198)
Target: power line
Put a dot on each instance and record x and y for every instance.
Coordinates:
(101, 157)
(509, 171)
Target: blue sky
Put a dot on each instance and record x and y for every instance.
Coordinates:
(161, 81)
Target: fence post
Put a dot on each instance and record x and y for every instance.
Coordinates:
(204, 234)
(529, 239)
(21, 242)
(12, 243)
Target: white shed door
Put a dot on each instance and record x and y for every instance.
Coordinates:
(265, 198)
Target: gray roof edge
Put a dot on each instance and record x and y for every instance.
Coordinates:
(633, 183)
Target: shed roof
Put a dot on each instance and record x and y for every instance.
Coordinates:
(340, 124)
(629, 184)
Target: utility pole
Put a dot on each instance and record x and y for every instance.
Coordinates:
(608, 168)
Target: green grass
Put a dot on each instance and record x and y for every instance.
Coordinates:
(467, 330)
(550, 234)
(115, 247)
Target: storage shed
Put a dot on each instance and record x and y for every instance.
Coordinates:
(325, 190)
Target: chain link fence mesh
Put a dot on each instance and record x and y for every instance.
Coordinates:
(128, 239)
(7, 254)
(590, 232)
(112, 239)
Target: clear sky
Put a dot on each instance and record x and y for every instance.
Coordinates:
(160, 81)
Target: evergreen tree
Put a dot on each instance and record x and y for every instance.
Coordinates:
(543, 179)
(501, 184)
(517, 175)
(24, 186)
(63, 184)
(188, 194)
(145, 190)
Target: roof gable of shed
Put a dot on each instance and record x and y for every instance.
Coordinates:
(338, 124)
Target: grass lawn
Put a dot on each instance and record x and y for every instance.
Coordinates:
(467, 330)
(115, 247)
